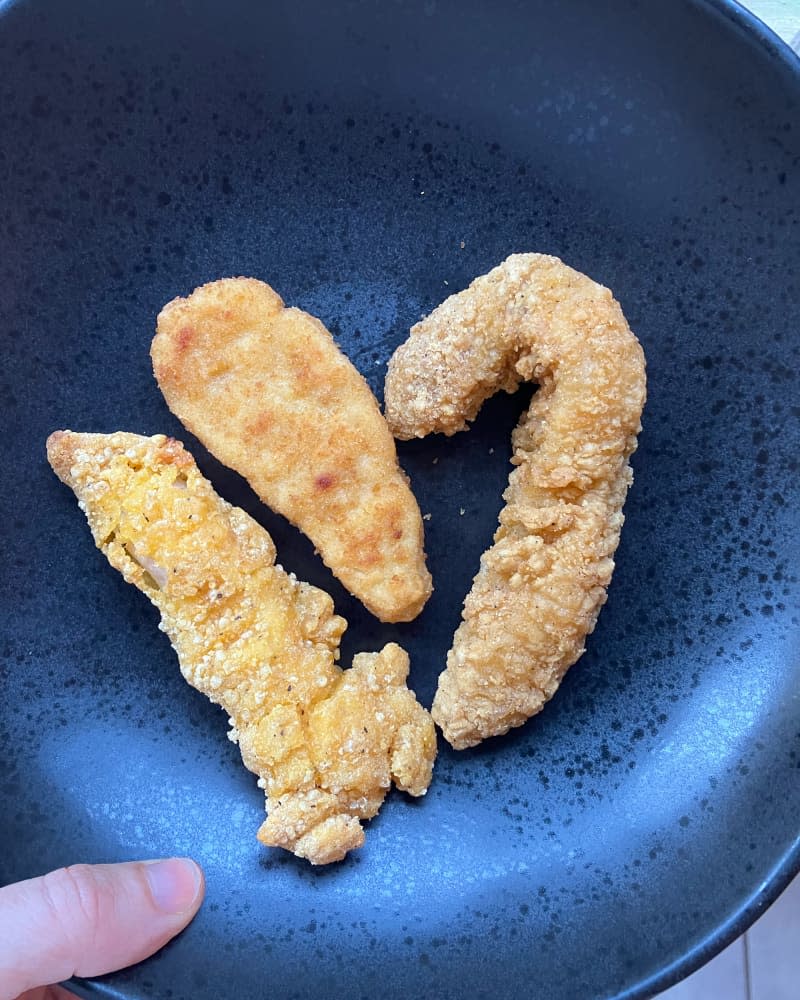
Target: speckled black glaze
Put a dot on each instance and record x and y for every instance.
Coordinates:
(367, 159)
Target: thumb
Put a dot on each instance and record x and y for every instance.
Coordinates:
(89, 919)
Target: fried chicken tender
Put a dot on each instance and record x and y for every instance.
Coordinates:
(266, 389)
(541, 585)
(325, 743)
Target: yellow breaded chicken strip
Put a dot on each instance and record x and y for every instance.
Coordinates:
(266, 389)
(325, 743)
(541, 585)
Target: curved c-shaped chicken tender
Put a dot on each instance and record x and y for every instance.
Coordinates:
(325, 743)
(542, 583)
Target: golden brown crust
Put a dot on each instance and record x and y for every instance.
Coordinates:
(325, 743)
(267, 390)
(541, 585)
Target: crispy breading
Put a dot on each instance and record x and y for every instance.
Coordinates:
(541, 585)
(325, 743)
(266, 389)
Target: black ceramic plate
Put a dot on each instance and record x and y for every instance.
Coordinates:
(367, 159)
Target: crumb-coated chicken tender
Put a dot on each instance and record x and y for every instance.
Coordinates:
(266, 389)
(325, 743)
(541, 585)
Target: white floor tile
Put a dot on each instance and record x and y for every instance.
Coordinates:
(723, 978)
(783, 16)
(774, 949)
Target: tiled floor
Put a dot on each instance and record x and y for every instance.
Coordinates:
(783, 16)
(764, 964)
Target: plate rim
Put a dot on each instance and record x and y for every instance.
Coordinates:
(788, 867)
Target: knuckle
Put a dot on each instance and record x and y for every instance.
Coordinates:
(76, 898)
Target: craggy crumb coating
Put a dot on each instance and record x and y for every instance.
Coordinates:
(325, 743)
(541, 585)
(267, 390)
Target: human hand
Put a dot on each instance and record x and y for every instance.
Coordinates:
(89, 919)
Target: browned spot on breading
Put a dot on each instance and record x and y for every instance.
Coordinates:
(262, 424)
(185, 337)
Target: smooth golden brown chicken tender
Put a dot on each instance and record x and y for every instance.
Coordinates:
(266, 389)
(541, 585)
(325, 743)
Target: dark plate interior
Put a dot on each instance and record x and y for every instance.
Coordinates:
(367, 159)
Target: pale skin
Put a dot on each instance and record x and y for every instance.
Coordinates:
(87, 920)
